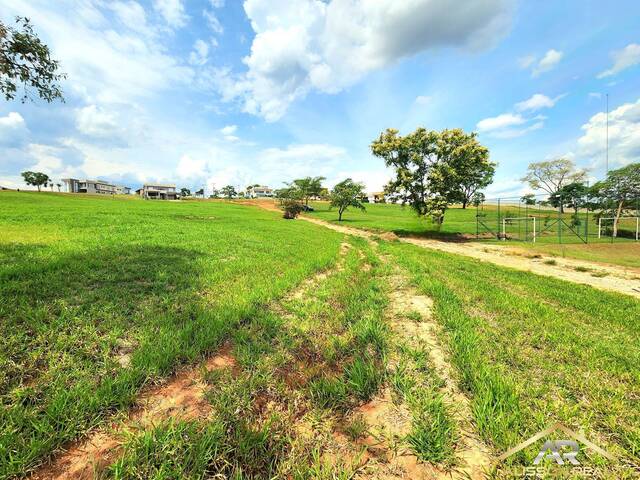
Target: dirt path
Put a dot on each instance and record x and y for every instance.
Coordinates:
(473, 455)
(182, 398)
(614, 279)
(611, 278)
(603, 277)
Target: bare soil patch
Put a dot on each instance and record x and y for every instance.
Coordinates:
(182, 398)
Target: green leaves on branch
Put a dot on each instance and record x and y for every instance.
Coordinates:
(26, 61)
(434, 169)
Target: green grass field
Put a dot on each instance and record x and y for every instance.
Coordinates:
(304, 313)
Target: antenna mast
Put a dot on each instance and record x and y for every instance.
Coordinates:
(607, 165)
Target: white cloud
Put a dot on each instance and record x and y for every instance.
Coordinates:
(47, 158)
(300, 160)
(228, 133)
(13, 130)
(537, 102)
(229, 129)
(172, 11)
(132, 15)
(500, 122)
(217, 3)
(213, 22)
(190, 168)
(200, 53)
(509, 125)
(624, 136)
(102, 64)
(303, 45)
(548, 62)
(96, 122)
(628, 57)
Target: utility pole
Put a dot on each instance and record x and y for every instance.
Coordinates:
(607, 165)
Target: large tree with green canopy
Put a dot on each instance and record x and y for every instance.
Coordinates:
(434, 169)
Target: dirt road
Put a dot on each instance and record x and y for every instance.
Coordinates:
(603, 277)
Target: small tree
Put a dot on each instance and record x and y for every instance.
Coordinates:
(552, 175)
(309, 187)
(215, 193)
(59, 185)
(528, 199)
(26, 61)
(618, 192)
(291, 201)
(228, 192)
(36, 179)
(573, 195)
(199, 193)
(185, 192)
(477, 199)
(347, 194)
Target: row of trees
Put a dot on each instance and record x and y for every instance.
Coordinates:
(39, 180)
(294, 198)
(567, 187)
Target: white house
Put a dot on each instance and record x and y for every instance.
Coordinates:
(260, 191)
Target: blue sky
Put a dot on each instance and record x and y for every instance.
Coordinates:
(217, 92)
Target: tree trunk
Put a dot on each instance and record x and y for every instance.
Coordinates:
(340, 214)
(617, 219)
(464, 204)
(38, 187)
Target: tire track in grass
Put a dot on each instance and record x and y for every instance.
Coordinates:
(182, 398)
(471, 453)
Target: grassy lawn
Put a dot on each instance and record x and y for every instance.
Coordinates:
(304, 311)
(84, 278)
(532, 350)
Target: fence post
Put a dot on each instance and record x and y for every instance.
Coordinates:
(498, 229)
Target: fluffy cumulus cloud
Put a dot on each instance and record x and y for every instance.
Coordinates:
(624, 136)
(304, 45)
(13, 130)
(628, 57)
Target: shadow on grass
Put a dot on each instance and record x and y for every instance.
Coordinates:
(64, 319)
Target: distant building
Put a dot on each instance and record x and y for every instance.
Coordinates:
(158, 191)
(376, 197)
(260, 191)
(99, 187)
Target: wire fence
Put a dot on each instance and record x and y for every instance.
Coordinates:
(558, 220)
